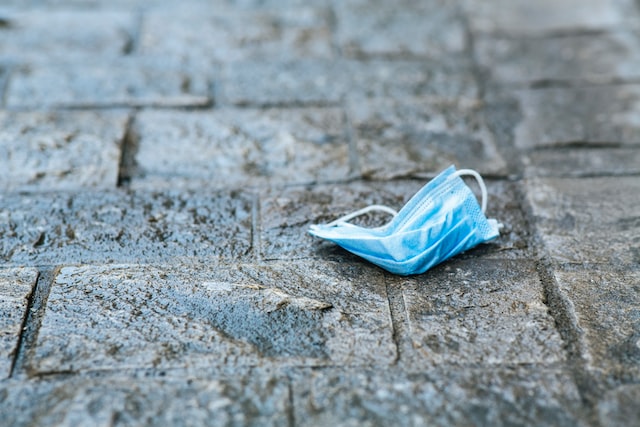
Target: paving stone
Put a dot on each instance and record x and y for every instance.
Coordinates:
(60, 150)
(479, 313)
(231, 34)
(125, 82)
(601, 58)
(619, 407)
(587, 220)
(449, 396)
(255, 399)
(16, 285)
(402, 138)
(236, 148)
(545, 17)
(370, 28)
(607, 304)
(62, 35)
(322, 81)
(575, 162)
(55, 228)
(102, 317)
(600, 115)
(286, 214)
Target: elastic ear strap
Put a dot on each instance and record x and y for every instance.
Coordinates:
(347, 217)
(483, 188)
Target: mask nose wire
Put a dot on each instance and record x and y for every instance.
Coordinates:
(372, 208)
(483, 188)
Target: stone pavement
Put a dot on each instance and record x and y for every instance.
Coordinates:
(161, 161)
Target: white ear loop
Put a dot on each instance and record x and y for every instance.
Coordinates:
(372, 208)
(483, 188)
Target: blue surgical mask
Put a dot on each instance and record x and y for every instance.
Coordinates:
(440, 221)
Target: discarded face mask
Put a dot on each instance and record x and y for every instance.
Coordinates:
(442, 220)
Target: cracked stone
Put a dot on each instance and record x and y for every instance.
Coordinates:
(125, 82)
(16, 285)
(587, 220)
(252, 399)
(111, 317)
(374, 28)
(60, 150)
(602, 58)
(405, 138)
(238, 148)
(57, 228)
(486, 312)
(600, 115)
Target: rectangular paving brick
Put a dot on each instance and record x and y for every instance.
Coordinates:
(587, 220)
(224, 34)
(607, 306)
(46, 151)
(57, 228)
(286, 214)
(576, 162)
(374, 28)
(124, 82)
(600, 58)
(16, 285)
(63, 35)
(599, 115)
(404, 138)
(232, 148)
(525, 395)
(522, 17)
(478, 312)
(114, 317)
(252, 398)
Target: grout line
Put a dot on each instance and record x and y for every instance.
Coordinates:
(398, 317)
(33, 319)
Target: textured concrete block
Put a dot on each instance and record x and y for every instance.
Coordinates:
(576, 162)
(479, 313)
(16, 285)
(286, 214)
(239, 148)
(587, 220)
(601, 58)
(371, 28)
(188, 317)
(522, 17)
(125, 82)
(225, 34)
(404, 138)
(448, 396)
(251, 399)
(46, 36)
(59, 228)
(606, 304)
(600, 115)
(60, 150)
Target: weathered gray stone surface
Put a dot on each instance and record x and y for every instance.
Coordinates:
(523, 18)
(372, 28)
(239, 148)
(619, 407)
(252, 399)
(124, 82)
(119, 227)
(63, 35)
(402, 138)
(441, 397)
(16, 285)
(584, 58)
(600, 115)
(587, 220)
(478, 313)
(607, 305)
(46, 151)
(171, 317)
(575, 162)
